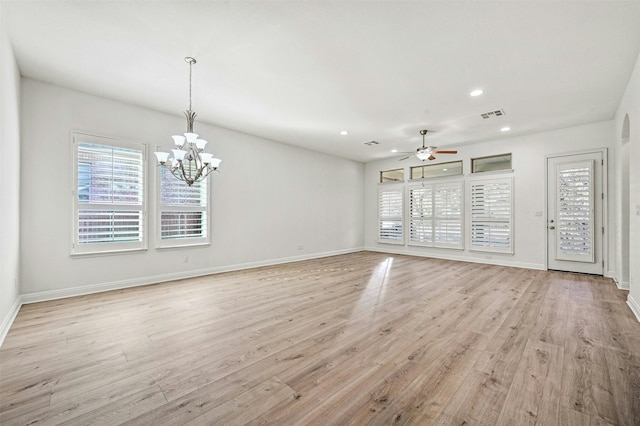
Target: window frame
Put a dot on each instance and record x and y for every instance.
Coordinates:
(396, 188)
(442, 176)
(433, 217)
(508, 169)
(382, 177)
(94, 249)
(170, 243)
(490, 219)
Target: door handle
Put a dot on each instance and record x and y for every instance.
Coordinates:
(552, 227)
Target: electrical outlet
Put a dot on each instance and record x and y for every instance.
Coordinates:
(300, 247)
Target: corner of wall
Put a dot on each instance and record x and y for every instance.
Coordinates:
(9, 186)
(634, 305)
(7, 321)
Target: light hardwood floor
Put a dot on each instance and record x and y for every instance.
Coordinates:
(363, 338)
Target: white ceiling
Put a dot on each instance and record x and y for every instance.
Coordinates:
(302, 71)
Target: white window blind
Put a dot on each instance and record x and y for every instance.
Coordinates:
(109, 200)
(436, 215)
(183, 211)
(390, 211)
(492, 215)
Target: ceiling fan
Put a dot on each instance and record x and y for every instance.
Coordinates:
(426, 152)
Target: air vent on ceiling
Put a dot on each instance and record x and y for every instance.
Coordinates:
(490, 114)
(371, 143)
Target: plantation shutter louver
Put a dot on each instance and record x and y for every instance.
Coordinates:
(109, 195)
(390, 210)
(491, 215)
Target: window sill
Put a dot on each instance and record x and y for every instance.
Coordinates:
(182, 246)
(108, 253)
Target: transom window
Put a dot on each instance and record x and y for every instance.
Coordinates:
(491, 163)
(395, 175)
(426, 171)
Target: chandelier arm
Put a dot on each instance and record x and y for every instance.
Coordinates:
(185, 177)
(199, 166)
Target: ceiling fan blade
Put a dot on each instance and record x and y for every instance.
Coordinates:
(445, 152)
(431, 157)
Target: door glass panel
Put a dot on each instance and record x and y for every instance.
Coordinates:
(575, 211)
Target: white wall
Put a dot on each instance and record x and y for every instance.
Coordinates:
(9, 184)
(528, 162)
(268, 200)
(630, 105)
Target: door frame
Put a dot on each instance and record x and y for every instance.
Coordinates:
(605, 204)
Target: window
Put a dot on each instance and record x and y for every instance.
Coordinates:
(575, 211)
(183, 211)
(491, 164)
(109, 201)
(492, 215)
(452, 168)
(396, 175)
(390, 210)
(436, 215)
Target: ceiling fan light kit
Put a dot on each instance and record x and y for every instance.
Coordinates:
(426, 152)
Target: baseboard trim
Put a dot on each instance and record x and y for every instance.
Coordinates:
(622, 285)
(8, 320)
(44, 296)
(496, 259)
(635, 306)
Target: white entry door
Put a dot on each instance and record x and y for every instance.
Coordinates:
(574, 213)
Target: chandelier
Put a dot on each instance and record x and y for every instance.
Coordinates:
(189, 162)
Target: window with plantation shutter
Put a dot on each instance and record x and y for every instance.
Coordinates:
(390, 211)
(183, 211)
(492, 215)
(421, 215)
(575, 211)
(109, 201)
(436, 215)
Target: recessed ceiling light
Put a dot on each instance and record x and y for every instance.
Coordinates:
(394, 150)
(444, 170)
(344, 133)
(476, 92)
(505, 129)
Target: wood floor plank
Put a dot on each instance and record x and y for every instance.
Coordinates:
(535, 389)
(363, 338)
(586, 383)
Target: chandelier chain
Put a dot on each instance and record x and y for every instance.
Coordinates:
(190, 65)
